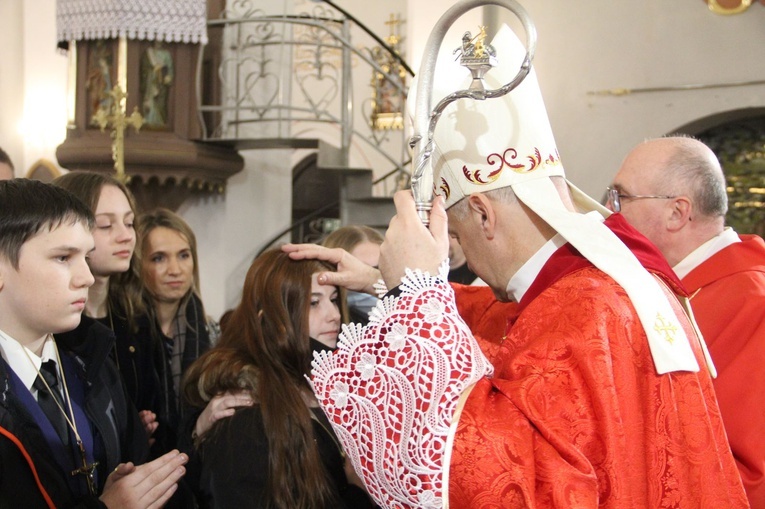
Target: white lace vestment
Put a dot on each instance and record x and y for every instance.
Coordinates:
(392, 388)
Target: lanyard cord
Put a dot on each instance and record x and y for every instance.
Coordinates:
(86, 469)
(70, 422)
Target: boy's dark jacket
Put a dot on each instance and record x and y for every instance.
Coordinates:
(23, 449)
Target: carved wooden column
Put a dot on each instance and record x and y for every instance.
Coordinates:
(151, 48)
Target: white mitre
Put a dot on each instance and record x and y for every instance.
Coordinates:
(507, 141)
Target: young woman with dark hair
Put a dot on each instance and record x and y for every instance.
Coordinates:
(281, 451)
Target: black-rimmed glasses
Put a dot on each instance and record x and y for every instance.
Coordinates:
(615, 198)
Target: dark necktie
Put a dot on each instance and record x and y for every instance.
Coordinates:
(45, 398)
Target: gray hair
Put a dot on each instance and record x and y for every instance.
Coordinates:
(504, 195)
(694, 170)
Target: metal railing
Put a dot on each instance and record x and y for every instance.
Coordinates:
(298, 75)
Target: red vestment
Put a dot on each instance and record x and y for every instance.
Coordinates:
(728, 301)
(574, 415)
(489, 319)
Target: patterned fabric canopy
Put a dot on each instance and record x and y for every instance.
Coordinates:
(165, 20)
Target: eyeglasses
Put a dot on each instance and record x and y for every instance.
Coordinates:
(615, 197)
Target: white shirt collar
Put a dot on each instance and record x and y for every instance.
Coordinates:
(522, 280)
(13, 353)
(705, 251)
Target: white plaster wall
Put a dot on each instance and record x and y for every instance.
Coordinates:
(583, 46)
(596, 45)
(45, 78)
(422, 17)
(232, 228)
(32, 82)
(11, 78)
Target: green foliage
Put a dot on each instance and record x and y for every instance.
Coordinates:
(740, 146)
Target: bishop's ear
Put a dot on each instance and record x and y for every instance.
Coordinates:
(482, 213)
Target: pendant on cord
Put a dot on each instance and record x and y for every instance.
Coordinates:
(88, 470)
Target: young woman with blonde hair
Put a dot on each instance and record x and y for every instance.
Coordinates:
(182, 331)
(363, 242)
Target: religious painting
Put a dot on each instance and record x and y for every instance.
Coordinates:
(157, 75)
(387, 97)
(99, 77)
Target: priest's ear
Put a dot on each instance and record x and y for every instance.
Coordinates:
(679, 213)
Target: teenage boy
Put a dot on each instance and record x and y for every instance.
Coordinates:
(68, 436)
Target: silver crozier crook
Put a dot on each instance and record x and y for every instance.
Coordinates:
(425, 117)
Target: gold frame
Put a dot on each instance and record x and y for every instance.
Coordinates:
(51, 170)
(715, 7)
(392, 116)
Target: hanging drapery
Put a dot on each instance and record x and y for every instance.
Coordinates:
(164, 20)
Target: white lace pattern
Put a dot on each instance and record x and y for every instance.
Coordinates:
(164, 20)
(391, 389)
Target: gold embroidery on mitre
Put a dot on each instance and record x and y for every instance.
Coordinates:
(515, 163)
(445, 189)
(667, 328)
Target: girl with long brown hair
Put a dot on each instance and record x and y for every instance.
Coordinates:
(280, 452)
(115, 299)
(117, 271)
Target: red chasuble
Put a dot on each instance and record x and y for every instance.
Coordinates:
(576, 416)
(573, 415)
(728, 301)
(489, 320)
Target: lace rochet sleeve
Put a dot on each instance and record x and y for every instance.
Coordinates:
(392, 388)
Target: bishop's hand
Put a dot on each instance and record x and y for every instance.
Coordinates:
(352, 273)
(411, 245)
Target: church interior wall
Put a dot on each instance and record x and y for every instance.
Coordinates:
(583, 47)
(591, 46)
(11, 78)
(32, 82)
(256, 206)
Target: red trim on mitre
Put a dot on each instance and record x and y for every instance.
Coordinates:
(567, 260)
(535, 162)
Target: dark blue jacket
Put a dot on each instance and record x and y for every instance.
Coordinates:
(30, 476)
